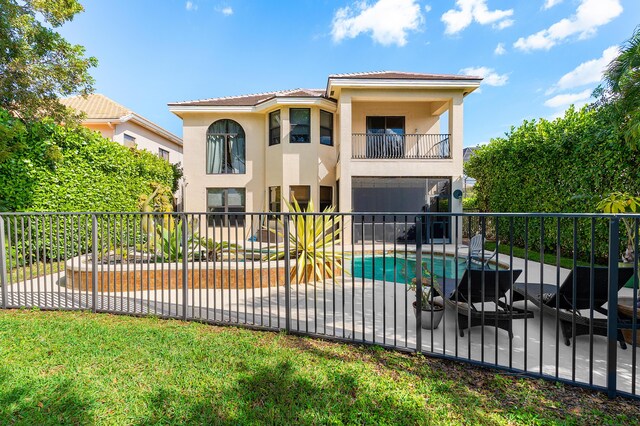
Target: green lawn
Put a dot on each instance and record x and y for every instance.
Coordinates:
(533, 255)
(37, 269)
(82, 368)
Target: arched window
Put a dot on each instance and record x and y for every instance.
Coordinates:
(225, 148)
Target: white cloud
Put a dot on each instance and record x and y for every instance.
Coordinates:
(548, 4)
(427, 8)
(490, 76)
(504, 24)
(578, 99)
(468, 11)
(388, 21)
(590, 15)
(190, 6)
(227, 11)
(587, 72)
(499, 50)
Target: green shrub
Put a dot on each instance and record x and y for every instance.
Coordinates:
(470, 203)
(565, 165)
(49, 167)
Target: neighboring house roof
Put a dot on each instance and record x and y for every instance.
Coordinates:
(401, 75)
(97, 106)
(100, 109)
(254, 99)
(467, 152)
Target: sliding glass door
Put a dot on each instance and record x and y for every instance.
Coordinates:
(385, 137)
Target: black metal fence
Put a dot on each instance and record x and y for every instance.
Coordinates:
(551, 301)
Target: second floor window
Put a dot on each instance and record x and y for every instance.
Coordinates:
(300, 119)
(326, 128)
(274, 128)
(129, 141)
(163, 153)
(225, 148)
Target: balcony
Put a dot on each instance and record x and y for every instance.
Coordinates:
(393, 146)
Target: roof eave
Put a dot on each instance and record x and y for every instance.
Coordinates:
(178, 108)
(400, 83)
(151, 126)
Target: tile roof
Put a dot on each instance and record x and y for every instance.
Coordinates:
(401, 75)
(254, 99)
(96, 106)
(258, 98)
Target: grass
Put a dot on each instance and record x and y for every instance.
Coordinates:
(37, 269)
(534, 255)
(83, 368)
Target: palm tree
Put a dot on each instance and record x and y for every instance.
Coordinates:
(622, 79)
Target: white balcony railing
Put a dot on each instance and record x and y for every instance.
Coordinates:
(393, 146)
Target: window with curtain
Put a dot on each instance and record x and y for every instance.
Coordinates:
(225, 148)
(300, 119)
(228, 201)
(326, 128)
(302, 194)
(274, 128)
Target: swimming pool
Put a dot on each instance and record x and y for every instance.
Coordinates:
(395, 268)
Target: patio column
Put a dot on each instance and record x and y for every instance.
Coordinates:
(345, 202)
(456, 141)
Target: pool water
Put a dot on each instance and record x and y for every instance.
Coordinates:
(395, 268)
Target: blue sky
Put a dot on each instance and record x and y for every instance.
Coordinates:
(537, 56)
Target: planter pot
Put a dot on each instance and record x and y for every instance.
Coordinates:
(436, 312)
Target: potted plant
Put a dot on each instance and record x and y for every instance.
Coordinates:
(622, 202)
(430, 310)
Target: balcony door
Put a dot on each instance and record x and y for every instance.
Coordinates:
(385, 137)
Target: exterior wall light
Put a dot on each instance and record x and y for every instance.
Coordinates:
(457, 194)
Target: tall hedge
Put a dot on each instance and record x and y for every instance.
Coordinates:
(564, 165)
(49, 167)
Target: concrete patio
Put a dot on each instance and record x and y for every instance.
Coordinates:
(369, 311)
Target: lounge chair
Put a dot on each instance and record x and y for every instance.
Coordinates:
(560, 300)
(482, 287)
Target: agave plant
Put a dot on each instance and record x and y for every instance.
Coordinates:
(215, 249)
(312, 240)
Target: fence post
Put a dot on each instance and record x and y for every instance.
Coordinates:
(418, 274)
(185, 266)
(94, 262)
(287, 273)
(3, 265)
(612, 307)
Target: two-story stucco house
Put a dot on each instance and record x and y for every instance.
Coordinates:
(368, 142)
(122, 125)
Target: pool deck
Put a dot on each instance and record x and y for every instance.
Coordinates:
(370, 311)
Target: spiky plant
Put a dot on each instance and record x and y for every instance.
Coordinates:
(216, 249)
(312, 243)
